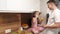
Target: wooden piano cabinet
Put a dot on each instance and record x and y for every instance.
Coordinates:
(9, 21)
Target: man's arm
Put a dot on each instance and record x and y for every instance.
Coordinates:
(56, 25)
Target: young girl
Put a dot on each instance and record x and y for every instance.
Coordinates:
(34, 27)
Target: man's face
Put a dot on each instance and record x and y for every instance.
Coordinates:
(50, 6)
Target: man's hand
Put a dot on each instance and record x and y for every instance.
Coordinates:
(45, 26)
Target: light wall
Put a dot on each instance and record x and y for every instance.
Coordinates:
(43, 7)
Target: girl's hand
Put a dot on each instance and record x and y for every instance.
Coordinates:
(43, 25)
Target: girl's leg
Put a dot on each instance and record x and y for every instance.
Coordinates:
(35, 33)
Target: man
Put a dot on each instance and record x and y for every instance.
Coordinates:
(54, 19)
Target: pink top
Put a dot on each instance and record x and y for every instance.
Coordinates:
(35, 28)
(34, 25)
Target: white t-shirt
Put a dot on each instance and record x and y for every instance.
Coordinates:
(54, 17)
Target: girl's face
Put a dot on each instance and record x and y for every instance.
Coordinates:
(37, 14)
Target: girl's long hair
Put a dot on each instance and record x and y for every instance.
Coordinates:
(34, 15)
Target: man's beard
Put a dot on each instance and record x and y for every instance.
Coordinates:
(50, 9)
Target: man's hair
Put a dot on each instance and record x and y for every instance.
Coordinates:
(52, 1)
